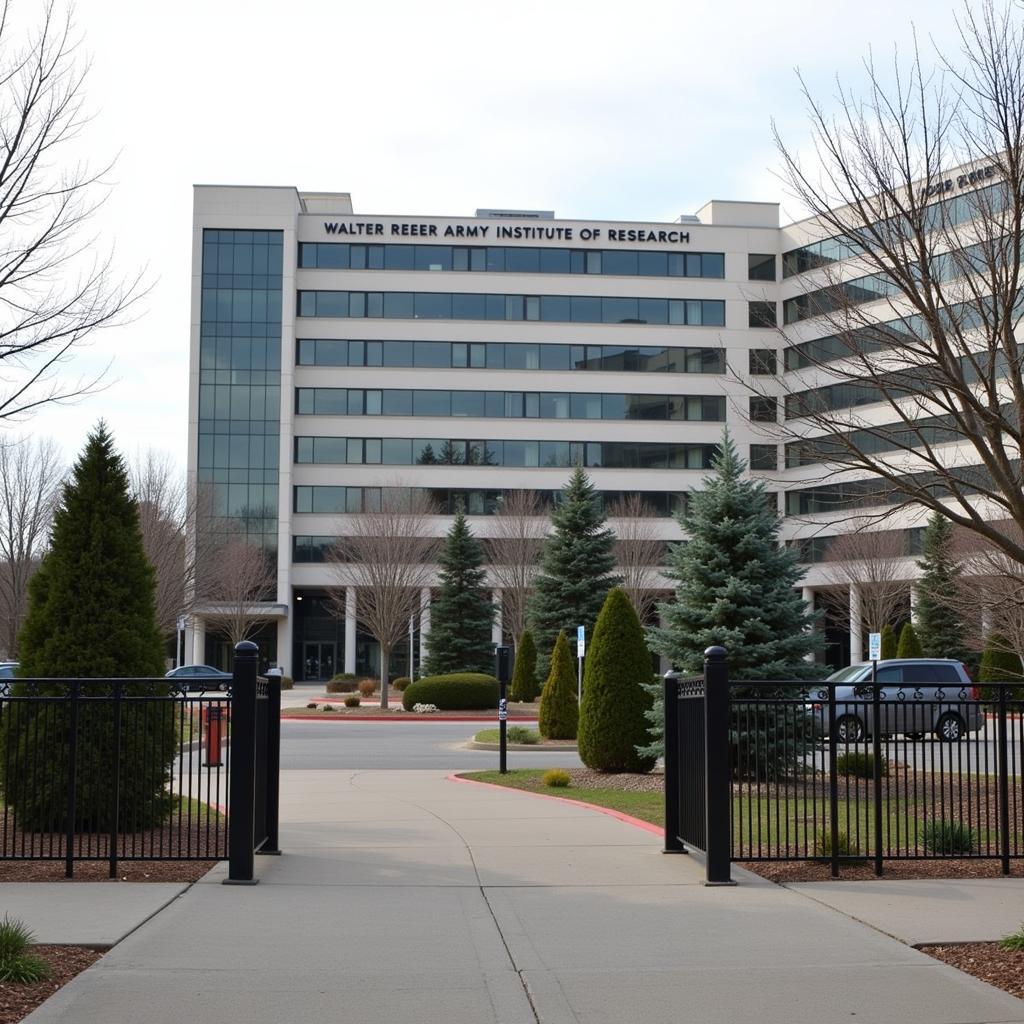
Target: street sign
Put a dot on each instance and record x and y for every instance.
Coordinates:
(502, 710)
(581, 641)
(874, 646)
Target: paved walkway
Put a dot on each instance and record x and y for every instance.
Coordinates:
(407, 898)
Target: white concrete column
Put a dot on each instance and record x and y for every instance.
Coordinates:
(496, 624)
(284, 643)
(913, 604)
(350, 629)
(856, 627)
(807, 593)
(986, 620)
(424, 624)
(198, 642)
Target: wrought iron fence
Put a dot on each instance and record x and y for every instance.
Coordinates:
(140, 769)
(843, 773)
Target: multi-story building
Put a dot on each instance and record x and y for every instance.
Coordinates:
(334, 354)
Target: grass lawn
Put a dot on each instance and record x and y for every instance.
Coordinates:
(646, 806)
(515, 734)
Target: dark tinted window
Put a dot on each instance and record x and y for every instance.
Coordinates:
(930, 674)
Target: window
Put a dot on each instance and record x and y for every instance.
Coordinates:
(764, 457)
(762, 314)
(762, 361)
(763, 409)
(761, 266)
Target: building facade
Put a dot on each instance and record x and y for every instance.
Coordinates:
(334, 354)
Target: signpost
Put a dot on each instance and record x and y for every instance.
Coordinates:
(581, 646)
(874, 646)
(503, 670)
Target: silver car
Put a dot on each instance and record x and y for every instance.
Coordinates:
(919, 696)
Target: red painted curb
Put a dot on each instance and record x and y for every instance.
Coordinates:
(627, 819)
(398, 718)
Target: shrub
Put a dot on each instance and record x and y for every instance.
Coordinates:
(344, 682)
(823, 844)
(367, 687)
(524, 675)
(287, 683)
(557, 777)
(909, 645)
(461, 691)
(559, 710)
(312, 707)
(948, 838)
(401, 683)
(769, 741)
(1014, 940)
(520, 734)
(17, 964)
(889, 644)
(859, 764)
(612, 720)
(352, 700)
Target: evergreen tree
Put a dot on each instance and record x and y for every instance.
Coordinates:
(575, 567)
(91, 613)
(940, 627)
(524, 676)
(736, 587)
(559, 710)
(889, 642)
(612, 715)
(461, 618)
(909, 646)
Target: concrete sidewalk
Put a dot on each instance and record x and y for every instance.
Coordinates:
(404, 897)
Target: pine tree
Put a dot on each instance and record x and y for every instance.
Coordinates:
(909, 645)
(612, 715)
(940, 628)
(524, 676)
(889, 642)
(461, 618)
(736, 587)
(575, 567)
(559, 710)
(92, 613)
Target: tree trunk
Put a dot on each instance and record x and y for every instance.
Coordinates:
(385, 657)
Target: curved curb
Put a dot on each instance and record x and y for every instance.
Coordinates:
(405, 717)
(536, 747)
(626, 819)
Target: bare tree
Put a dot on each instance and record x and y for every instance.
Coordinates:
(56, 286)
(31, 475)
(872, 564)
(160, 492)
(919, 187)
(388, 554)
(638, 552)
(518, 528)
(233, 585)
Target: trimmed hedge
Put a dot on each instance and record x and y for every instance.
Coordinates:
(343, 682)
(460, 691)
(400, 683)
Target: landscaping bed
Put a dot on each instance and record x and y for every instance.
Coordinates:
(371, 708)
(99, 871)
(18, 1001)
(987, 961)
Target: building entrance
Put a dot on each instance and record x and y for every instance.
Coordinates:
(318, 661)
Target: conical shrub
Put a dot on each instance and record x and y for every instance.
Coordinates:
(889, 644)
(612, 719)
(559, 711)
(909, 646)
(524, 676)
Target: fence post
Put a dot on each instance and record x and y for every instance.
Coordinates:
(242, 783)
(1004, 782)
(72, 809)
(273, 755)
(673, 844)
(718, 768)
(876, 769)
(115, 818)
(833, 784)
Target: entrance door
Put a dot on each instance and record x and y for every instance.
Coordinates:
(317, 662)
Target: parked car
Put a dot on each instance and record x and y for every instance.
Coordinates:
(200, 677)
(919, 695)
(8, 669)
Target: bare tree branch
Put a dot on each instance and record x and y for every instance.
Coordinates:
(31, 477)
(388, 555)
(638, 553)
(518, 528)
(235, 583)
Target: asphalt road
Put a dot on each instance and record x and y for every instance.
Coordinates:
(399, 745)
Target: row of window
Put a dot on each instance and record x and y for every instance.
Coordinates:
(868, 288)
(510, 356)
(405, 451)
(330, 500)
(511, 259)
(507, 404)
(948, 213)
(817, 549)
(579, 309)
(860, 341)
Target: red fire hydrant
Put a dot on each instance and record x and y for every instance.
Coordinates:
(214, 717)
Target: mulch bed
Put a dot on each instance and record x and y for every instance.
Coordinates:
(371, 706)
(1003, 968)
(818, 871)
(18, 1001)
(98, 871)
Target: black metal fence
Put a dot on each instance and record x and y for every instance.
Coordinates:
(842, 773)
(139, 769)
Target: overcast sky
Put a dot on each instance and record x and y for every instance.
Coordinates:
(637, 111)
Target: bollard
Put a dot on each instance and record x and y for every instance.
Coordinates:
(503, 670)
(214, 721)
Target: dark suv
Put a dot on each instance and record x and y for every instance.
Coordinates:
(919, 696)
